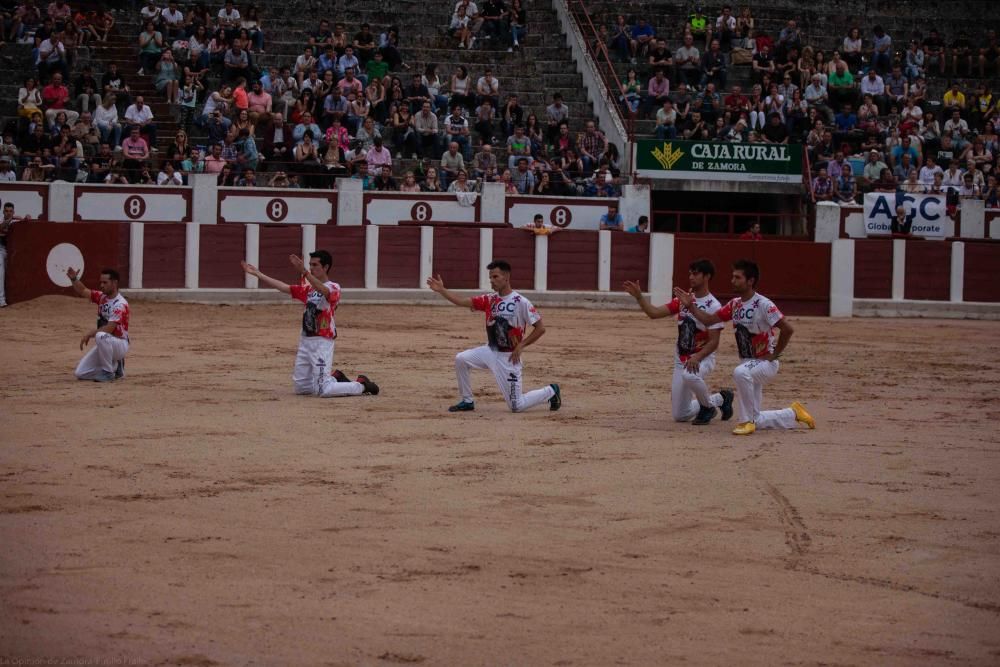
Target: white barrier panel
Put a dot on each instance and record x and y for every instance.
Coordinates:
(927, 213)
(566, 212)
(95, 203)
(27, 199)
(993, 223)
(385, 208)
(277, 207)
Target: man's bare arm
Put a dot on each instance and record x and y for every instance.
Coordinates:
(437, 285)
(653, 312)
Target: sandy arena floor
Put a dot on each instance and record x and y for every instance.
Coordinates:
(198, 513)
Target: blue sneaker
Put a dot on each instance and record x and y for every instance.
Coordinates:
(463, 406)
(105, 377)
(556, 401)
(120, 370)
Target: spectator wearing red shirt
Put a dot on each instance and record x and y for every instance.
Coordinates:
(135, 151)
(657, 91)
(55, 97)
(260, 103)
(753, 234)
(240, 98)
(736, 102)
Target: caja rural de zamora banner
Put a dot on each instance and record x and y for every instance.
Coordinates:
(719, 161)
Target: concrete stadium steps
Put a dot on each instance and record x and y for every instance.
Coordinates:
(542, 66)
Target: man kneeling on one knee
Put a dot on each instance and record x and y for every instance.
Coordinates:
(106, 360)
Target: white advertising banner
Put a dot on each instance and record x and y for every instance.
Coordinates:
(383, 208)
(277, 207)
(97, 204)
(568, 213)
(926, 213)
(27, 202)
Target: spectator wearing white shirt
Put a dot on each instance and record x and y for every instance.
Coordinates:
(953, 177)
(168, 176)
(151, 13)
(173, 21)
(874, 85)
(929, 171)
(106, 121)
(140, 115)
(958, 129)
(488, 88)
(229, 20)
(725, 28)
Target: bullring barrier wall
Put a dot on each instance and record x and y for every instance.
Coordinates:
(168, 252)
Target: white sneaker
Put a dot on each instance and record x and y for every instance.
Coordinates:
(140, 72)
(510, 49)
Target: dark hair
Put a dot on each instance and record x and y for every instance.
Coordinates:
(704, 266)
(749, 269)
(644, 220)
(537, 215)
(111, 273)
(324, 257)
(500, 264)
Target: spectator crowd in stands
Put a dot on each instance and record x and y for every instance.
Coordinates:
(865, 112)
(348, 106)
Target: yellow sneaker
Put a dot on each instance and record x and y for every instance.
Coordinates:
(744, 429)
(802, 416)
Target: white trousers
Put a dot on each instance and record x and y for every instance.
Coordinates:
(750, 378)
(102, 359)
(507, 374)
(3, 276)
(313, 365)
(688, 392)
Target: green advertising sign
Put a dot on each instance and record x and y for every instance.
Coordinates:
(718, 161)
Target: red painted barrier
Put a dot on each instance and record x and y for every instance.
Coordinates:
(163, 255)
(456, 256)
(873, 269)
(222, 248)
(981, 262)
(795, 274)
(928, 271)
(347, 245)
(629, 259)
(573, 261)
(398, 256)
(277, 242)
(517, 247)
(30, 256)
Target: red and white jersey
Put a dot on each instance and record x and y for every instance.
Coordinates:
(692, 335)
(753, 322)
(506, 318)
(111, 310)
(317, 320)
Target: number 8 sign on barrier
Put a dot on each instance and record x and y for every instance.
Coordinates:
(135, 207)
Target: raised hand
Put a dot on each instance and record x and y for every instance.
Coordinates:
(685, 297)
(72, 273)
(250, 268)
(633, 288)
(435, 283)
(297, 263)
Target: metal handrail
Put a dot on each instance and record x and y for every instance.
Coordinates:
(730, 216)
(602, 58)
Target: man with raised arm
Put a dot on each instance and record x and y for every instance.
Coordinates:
(106, 360)
(694, 358)
(755, 319)
(314, 360)
(508, 315)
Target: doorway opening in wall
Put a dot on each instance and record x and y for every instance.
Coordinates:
(728, 214)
